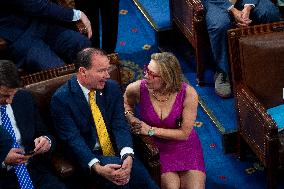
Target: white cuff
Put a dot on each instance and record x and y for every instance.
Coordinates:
(126, 150)
(76, 15)
(3, 165)
(48, 140)
(230, 8)
(249, 5)
(93, 161)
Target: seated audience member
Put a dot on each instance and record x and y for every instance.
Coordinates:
(25, 163)
(168, 108)
(88, 116)
(102, 13)
(35, 39)
(222, 15)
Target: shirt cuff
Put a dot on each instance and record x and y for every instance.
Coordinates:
(3, 165)
(93, 161)
(76, 15)
(249, 5)
(126, 150)
(228, 9)
(48, 140)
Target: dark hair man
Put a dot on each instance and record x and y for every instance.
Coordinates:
(25, 143)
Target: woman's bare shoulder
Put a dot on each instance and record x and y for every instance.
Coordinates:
(191, 94)
(133, 88)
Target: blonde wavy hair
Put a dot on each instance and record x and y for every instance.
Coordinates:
(170, 70)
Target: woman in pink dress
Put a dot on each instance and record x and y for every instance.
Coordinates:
(168, 108)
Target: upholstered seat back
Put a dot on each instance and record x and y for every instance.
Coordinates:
(257, 64)
(262, 66)
(42, 93)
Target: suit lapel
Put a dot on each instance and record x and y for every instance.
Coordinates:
(79, 98)
(20, 118)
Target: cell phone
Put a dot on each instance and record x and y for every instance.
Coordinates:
(29, 153)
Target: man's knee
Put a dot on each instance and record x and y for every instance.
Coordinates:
(218, 23)
(266, 12)
(41, 59)
(76, 39)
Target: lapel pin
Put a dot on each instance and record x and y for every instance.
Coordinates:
(101, 93)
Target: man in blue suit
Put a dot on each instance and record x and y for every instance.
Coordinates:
(77, 126)
(222, 15)
(36, 41)
(29, 143)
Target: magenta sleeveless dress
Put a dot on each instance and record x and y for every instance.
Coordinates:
(175, 155)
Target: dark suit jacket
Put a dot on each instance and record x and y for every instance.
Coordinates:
(75, 125)
(6, 142)
(23, 16)
(30, 126)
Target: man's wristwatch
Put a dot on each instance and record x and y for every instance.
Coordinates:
(126, 155)
(151, 131)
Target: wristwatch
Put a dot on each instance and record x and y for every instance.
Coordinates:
(126, 155)
(151, 131)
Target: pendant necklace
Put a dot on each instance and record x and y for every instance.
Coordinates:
(160, 100)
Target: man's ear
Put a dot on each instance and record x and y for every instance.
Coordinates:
(82, 71)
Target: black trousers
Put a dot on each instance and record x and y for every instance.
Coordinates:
(107, 11)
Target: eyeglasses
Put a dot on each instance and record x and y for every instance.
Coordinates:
(150, 74)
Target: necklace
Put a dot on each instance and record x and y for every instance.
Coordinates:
(160, 100)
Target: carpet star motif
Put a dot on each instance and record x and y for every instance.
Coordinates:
(146, 47)
(123, 12)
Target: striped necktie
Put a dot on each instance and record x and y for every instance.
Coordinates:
(101, 127)
(21, 171)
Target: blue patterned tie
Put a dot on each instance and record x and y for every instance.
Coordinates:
(21, 170)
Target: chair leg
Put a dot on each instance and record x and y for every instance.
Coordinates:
(199, 66)
(241, 147)
(202, 50)
(271, 178)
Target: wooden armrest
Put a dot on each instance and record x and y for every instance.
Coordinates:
(247, 98)
(149, 154)
(149, 147)
(197, 5)
(255, 124)
(62, 166)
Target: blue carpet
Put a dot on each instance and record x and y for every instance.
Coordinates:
(136, 38)
(159, 12)
(224, 171)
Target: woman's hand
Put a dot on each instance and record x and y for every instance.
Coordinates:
(144, 128)
(135, 124)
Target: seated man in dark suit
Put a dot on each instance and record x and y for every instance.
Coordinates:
(88, 116)
(35, 39)
(25, 157)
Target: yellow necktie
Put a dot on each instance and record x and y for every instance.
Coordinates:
(101, 127)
